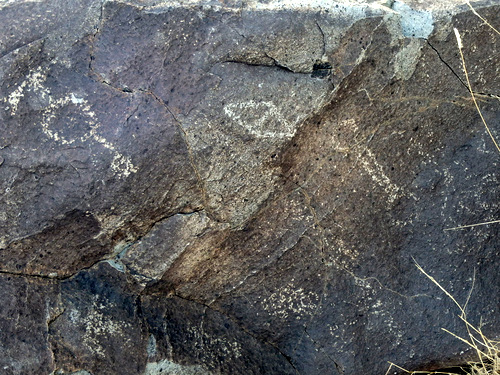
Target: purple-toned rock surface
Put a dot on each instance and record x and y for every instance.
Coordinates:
(204, 187)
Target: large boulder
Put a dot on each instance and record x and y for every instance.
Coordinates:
(244, 187)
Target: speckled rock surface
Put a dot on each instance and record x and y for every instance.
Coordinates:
(243, 187)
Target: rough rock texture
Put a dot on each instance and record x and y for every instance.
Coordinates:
(242, 187)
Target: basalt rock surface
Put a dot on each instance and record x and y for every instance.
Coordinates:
(243, 187)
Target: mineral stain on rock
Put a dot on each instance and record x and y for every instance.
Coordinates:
(241, 187)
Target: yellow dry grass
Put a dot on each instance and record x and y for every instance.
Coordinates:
(487, 350)
(473, 95)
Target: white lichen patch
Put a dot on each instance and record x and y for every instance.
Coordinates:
(7, 2)
(121, 165)
(346, 8)
(76, 100)
(165, 367)
(116, 265)
(414, 23)
(151, 349)
(262, 119)
(406, 60)
(289, 301)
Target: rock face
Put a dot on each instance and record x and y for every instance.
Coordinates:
(242, 187)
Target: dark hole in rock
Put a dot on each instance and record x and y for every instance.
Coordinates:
(321, 70)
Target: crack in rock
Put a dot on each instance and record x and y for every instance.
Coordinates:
(448, 65)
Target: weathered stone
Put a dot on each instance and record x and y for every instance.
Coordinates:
(28, 307)
(242, 187)
(148, 259)
(202, 335)
(100, 329)
(167, 367)
(92, 142)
